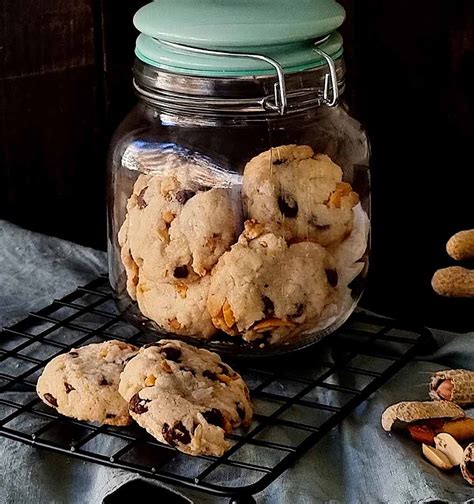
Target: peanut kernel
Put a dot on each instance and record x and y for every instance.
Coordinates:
(229, 318)
(150, 380)
(174, 324)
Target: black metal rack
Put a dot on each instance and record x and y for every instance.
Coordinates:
(295, 405)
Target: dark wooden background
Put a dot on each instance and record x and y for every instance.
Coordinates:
(65, 83)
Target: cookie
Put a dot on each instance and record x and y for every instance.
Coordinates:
(264, 288)
(83, 383)
(178, 308)
(131, 267)
(299, 195)
(206, 227)
(175, 233)
(185, 397)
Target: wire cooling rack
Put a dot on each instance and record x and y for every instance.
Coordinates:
(297, 401)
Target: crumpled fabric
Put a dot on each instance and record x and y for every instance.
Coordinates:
(356, 462)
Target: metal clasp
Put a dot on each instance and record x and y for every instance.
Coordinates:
(280, 101)
(330, 79)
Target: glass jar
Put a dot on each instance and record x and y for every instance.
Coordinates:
(238, 208)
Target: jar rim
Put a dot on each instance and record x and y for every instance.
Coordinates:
(247, 94)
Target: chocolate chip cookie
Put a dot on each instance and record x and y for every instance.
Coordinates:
(83, 383)
(299, 195)
(264, 288)
(177, 308)
(175, 233)
(185, 397)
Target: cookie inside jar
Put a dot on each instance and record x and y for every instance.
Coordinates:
(261, 259)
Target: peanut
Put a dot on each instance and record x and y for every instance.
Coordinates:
(181, 289)
(269, 324)
(456, 385)
(125, 346)
(421, 434)
(252, 229)
(228, 315)
(407, 412)
(461, 430)
(467, 464)
(165, 366)
(213, 241)
(343, 190)
(150, 380)
(445, 390)
(437, 458)
(454, 282)
(174, 324)
(168, 216)
(461, 245)
(446, 444)
(219, 323)
(163, 235)
(226, 379)
(225, 317)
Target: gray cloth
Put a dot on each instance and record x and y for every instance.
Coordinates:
(356, 462)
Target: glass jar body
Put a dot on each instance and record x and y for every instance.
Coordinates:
(183, 263)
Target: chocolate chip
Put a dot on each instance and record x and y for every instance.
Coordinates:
(69, 388)
(313, 221)
(103, 381)
(214, 417)
(332, 277)
(181, 272)
(209, 374)
(299, 308)
(110, 415)
(184, 195)
(268, 306)
(188, 370)
(140, 199)
(171, 353)
(176, 434)
(225, 370)
(137, 405)
(240, 411)
(51, 399)
(278, 161)
(73, 354)
(288, 206)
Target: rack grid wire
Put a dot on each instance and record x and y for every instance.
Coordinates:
(297, 401)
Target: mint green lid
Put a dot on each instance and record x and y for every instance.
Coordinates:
(280, 29)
